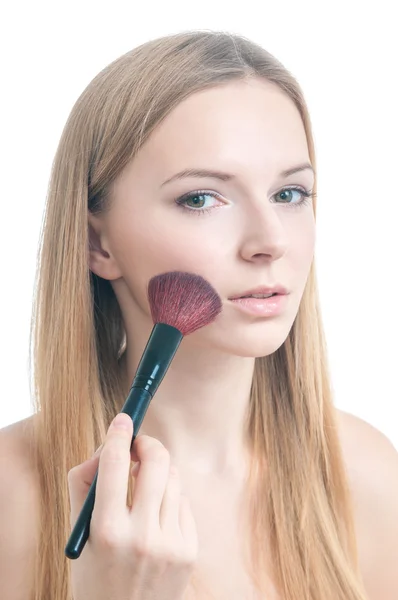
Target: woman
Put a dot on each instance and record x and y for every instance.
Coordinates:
(247, 483)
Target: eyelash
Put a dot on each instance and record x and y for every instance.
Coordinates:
(202, 211)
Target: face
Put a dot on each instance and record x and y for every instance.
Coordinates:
(247, 226)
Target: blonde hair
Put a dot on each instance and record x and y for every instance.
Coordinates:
(300, 509)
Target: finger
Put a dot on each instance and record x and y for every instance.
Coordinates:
(114, 468)
(151, 479)
(79, 481)
(170, 508)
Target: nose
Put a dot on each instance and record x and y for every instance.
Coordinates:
(263, 235)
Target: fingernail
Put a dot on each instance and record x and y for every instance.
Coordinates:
(98, 450)
(135, 468)
(122, 421)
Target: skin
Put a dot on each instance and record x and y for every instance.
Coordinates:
(250, 237)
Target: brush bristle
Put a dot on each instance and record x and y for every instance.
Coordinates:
(183, 300)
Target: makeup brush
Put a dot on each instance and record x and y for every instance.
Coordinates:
(180, 304)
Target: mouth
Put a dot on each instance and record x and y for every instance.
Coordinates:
(261, 305)
(262, 293)
(259, 296)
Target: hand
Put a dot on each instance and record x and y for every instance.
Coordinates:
(148, 551)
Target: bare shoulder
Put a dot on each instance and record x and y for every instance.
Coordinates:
(370, 457)
(372, 465)
(19, 505)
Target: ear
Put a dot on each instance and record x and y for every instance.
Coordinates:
(101, 260)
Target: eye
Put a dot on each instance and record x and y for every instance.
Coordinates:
(287, 193)
(202, 201)
(199, 202)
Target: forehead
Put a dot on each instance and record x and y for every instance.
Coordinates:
(249, 124)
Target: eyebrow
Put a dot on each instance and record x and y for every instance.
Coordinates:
(227, 176)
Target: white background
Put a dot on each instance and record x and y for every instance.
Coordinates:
(344, 55)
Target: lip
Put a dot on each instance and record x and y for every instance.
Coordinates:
(262, 307)
(274, 289)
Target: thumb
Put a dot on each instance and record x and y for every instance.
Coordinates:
(79, 480)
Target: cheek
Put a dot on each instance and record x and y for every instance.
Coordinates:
(151, 247)
(303, 244)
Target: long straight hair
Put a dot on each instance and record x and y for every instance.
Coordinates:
(300, 509)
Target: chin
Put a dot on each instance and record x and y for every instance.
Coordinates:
(256, 350)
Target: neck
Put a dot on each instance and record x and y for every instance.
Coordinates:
(199, 412)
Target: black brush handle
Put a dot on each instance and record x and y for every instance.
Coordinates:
(139, 399)
(158, 354)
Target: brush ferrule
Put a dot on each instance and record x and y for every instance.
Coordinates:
(157, 356)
